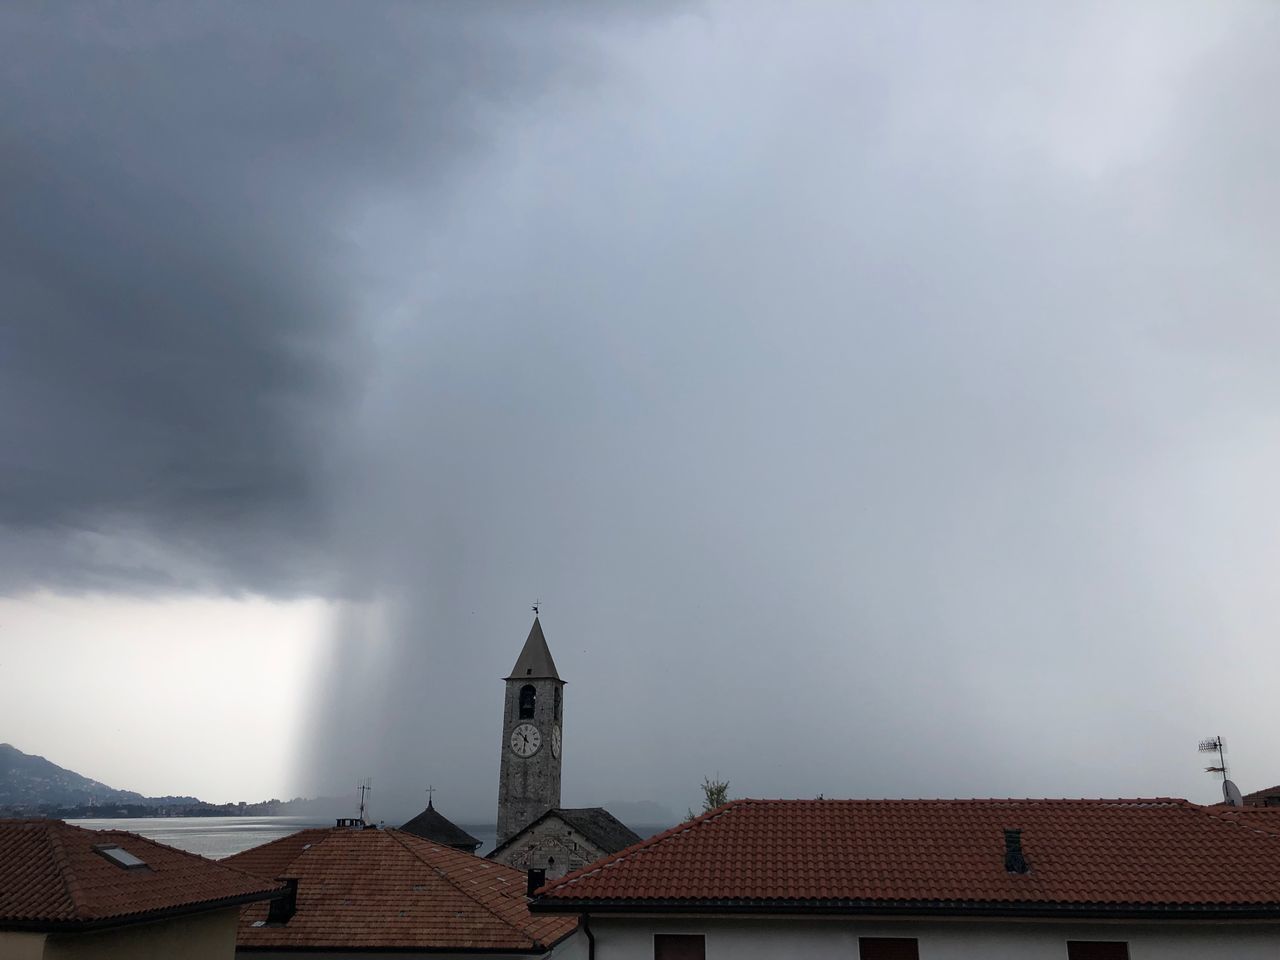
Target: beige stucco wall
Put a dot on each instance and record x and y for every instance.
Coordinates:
(21, 946)
(202, 936)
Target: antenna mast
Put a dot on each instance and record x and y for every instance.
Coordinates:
(1230, 792)
(365, 789)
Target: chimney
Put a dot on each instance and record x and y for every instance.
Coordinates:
(284, 907)
(1014, 860)
(536, 879)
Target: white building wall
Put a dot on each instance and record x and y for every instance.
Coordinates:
(837, 939)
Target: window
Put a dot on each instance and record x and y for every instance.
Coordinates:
(679, 946)
(1097, 950)
(528, 697)
(119, 856)
(557, 703)
(888, 948)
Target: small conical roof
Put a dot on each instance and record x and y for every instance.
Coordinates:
(535, 660)
(430, 824)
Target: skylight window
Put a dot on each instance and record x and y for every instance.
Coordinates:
(120, 856)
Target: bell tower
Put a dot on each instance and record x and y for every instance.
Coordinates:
(529, 776)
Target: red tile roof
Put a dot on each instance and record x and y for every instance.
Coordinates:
(1258, 818)
(388, 890)
(1259, 797)
(51, 877)
(929, 855)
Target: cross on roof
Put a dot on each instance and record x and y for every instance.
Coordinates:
(430, 793)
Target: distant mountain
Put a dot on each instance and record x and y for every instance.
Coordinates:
(31, 781)
(34, 786)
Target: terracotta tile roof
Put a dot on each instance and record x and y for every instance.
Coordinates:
(389, 890)
(1258, 818)
(52, 877)
(272, 859)
(927, 855)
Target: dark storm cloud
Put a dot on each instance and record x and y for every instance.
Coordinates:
(180, 276)
(855, 397)
(881, 396)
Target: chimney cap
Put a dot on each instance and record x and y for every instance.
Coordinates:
(536, 879)
(1015, 861)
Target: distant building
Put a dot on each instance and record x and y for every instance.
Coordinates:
(363, 892)
(562, 840)
(905, 879)
(68, 892)
(431, 825)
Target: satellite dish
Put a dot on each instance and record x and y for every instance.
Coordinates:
(1231, 794)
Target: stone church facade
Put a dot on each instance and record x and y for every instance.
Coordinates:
(562, 840)
(534, 831)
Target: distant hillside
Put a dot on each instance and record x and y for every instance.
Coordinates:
(31, 781)
(33, 786)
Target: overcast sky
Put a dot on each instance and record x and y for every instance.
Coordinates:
(883, 398)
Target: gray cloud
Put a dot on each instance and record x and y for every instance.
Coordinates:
(181, 263)
(881, 399)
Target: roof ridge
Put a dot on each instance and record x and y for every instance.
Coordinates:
(1230, 815)
(897, 801)
(395, 835)
(657, 838)
(227, 866)
(70, 883)
(325, 832)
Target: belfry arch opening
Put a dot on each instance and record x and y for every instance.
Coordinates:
(528, 700)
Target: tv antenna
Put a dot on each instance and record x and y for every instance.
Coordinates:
(1215, 745)
(366, 788)
(1230, 792)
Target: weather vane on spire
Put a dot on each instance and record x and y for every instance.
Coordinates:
(536, 605)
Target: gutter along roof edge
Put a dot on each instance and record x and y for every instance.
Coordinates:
(128, 919)
(921, 908)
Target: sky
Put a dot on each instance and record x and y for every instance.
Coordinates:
(880, 397)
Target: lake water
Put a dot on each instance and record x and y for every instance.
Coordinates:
(217, 837)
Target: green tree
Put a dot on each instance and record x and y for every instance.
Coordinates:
(714, 794)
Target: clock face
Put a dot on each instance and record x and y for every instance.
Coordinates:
(525, 740)
(555, 741)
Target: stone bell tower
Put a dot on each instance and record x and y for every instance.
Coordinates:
(529, 778)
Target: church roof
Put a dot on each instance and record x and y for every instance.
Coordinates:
(535, 660)
(600, 827)
(374, 890)
(431, 825)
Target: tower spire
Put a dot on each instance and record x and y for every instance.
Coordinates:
(535, 660)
